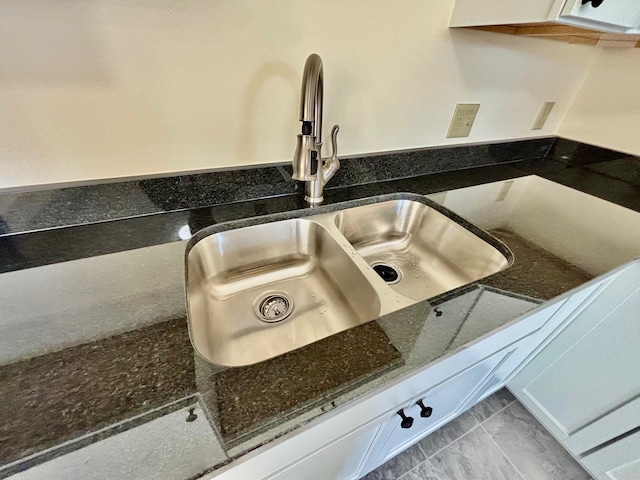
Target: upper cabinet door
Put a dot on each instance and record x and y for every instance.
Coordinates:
(611, 15)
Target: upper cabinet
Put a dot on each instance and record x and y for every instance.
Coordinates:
(616, 16)
(611, 23)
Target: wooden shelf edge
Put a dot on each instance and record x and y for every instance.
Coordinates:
(564, 33)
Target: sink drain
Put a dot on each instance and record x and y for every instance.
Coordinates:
(387, 273)
(274, 307)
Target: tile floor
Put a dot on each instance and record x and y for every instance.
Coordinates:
(498, 439)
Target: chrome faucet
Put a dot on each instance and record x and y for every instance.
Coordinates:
(308, 164)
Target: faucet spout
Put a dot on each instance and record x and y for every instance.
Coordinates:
(311, 96)
(308, 164)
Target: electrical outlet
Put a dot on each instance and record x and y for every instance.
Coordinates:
(462, 121)
(543, 115)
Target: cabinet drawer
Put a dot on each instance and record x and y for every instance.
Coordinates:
(616, 15)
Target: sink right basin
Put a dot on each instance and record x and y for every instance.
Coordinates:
(418, 251)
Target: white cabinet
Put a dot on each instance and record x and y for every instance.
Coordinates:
(585, 385)
(613, 16)
(610, 15)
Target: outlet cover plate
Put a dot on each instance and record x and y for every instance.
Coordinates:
(543, 115)
(462, 121)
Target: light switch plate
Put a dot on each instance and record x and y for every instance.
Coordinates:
(462, 121)
(543, 115)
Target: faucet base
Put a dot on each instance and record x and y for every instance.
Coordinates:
(313, 200)
(313, 189)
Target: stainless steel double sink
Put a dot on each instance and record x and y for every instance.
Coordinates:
(262, 287)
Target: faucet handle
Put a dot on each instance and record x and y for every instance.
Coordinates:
(332, 164)
(334, 141)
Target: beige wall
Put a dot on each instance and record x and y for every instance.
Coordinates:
(96, 89)
(606, 111)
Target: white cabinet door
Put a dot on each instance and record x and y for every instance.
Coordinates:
(612, 15)
(591, 369)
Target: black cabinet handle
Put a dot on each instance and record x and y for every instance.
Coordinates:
(425, 412)
(406, 421)
(594, 3)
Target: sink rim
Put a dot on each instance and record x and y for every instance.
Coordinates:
(330, 211)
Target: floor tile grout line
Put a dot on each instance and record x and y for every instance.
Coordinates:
(495, 413)
(503, 453)
(478, 424)
(422, 449)
(418, 466)
(410, 470)
(450, 443)
(455, 439)
(433, 469)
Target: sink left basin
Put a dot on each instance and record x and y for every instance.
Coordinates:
(263, 290)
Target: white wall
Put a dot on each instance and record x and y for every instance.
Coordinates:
(582, 229)
(606, 111)
(95, 89)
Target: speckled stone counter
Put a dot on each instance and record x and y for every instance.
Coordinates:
(69, 395)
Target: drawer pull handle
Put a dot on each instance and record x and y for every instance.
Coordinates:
(594, 3)
(425, 412)
(406, 421)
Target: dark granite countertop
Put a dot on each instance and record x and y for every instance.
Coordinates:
(65, 396)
